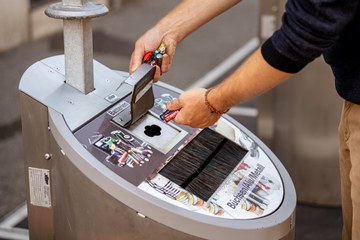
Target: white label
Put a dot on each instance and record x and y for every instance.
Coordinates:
(143, 91)
(39, 183)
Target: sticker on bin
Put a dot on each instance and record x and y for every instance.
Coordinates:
(39, 186)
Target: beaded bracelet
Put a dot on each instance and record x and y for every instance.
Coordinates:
(211, 107)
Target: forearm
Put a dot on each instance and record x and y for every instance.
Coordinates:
(201, 108)
(189, 15)
(253, 78)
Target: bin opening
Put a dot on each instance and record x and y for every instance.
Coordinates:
(158, 134)
(204, 163)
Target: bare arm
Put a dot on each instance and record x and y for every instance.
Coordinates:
(251, 79)
(189, 15)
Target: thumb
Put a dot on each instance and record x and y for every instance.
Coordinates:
(174, 104)
(136, 59)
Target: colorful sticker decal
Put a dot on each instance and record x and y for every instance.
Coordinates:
(254, 189)
(124, 150)
(180, 197)
(160, 102)
(249, 189)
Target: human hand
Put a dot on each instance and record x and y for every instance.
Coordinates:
(150, 41)
(193, 110)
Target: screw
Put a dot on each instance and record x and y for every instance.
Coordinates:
(47, 156)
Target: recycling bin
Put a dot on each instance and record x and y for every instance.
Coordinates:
(89, 178)
(96, 169)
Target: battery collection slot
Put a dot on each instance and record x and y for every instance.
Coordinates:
(204, 163)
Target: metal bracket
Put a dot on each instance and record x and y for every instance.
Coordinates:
(142, 98)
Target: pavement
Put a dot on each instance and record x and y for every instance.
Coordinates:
(114, 38)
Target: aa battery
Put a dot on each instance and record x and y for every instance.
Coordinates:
(162, 48)
(159, 58)
(169, 115)
(155, 57)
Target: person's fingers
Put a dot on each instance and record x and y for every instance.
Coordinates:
(157, 74)
(170, 46)
(149, 42)
(174, 104)
(180, 119)
(136, 57)
(165, 65)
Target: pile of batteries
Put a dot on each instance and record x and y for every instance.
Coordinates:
(155, 58)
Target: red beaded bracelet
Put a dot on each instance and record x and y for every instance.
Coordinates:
(211, 107)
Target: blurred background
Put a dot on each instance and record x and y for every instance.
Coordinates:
(297, 120)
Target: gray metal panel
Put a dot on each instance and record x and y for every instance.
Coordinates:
(44, 81)
(275, 226)
(36, 144)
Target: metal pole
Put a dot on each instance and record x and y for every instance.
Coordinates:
(78, 46)
(78, 51)
(77, 3)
